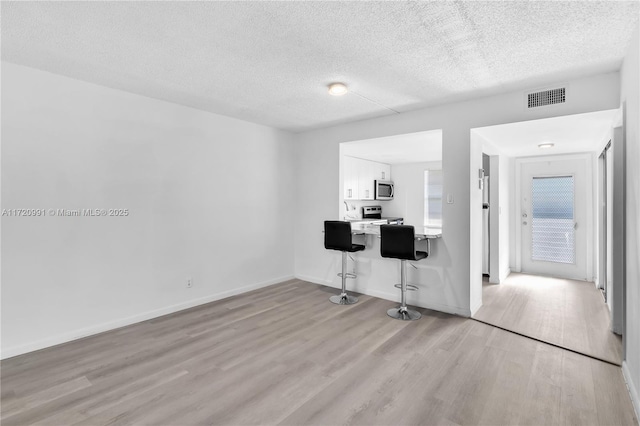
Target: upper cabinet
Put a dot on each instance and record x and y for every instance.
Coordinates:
(382, 171)
(366, 170)
(360, 176)
(350, 173)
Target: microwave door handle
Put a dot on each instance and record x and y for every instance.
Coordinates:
(392, 190)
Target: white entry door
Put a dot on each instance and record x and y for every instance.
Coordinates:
(553, 217)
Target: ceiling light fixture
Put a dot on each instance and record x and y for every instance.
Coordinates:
(337, 89)
(545, 145)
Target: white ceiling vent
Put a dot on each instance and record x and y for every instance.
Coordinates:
(546, 97)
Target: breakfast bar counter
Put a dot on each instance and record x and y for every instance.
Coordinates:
(376, 275)
(422, 232)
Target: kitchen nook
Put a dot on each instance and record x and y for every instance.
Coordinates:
(391, 199)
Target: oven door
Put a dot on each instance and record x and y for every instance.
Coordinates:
(384, 190)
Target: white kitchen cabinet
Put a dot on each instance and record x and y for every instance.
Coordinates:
(350, 173)
(359, 177)
(382, 171)
(366, 177)
(386, 172)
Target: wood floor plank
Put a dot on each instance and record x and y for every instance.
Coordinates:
(578, 400)
(571, 314)
(79, 406)
(44, 396)
(286, 355)
(611, 397)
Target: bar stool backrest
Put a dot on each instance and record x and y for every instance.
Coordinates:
(398, 242)
(337, 235)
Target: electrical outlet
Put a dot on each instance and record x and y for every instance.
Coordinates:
(189, 282)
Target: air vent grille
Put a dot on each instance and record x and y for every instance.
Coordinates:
(546, 97)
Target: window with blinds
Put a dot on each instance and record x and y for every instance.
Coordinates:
(433, 198)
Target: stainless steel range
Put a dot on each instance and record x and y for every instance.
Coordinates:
(373, 215)
(372, 212)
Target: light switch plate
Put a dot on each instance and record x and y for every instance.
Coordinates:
(449, 198)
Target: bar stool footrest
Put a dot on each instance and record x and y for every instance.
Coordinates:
(348, 275)
(410, 287)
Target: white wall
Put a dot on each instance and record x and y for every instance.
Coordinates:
(514, 219)
(474, 211)
(599, 229)
(408, 199)
(505, 214)
(609, 231)
(501, 184)
(458, 258)
(494, 217)
(499, 218)
(619, 235)
(209, 197)
(630, 100)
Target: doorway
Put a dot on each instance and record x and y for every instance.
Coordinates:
(548, 220)
(555, 216)
(605, 206)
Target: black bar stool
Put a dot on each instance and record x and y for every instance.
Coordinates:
(399, 242)
(337, 236)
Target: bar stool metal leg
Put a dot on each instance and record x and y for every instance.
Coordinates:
(403, 312)
(343, 298)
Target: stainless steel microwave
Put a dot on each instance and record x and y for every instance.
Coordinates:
(384, 190)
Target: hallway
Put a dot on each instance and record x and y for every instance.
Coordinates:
(567, 313)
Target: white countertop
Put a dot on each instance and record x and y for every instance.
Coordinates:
(373, 220)
(422, 232)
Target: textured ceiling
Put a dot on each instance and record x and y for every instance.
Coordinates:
(401, 149)
(570, 134)
(270, 62)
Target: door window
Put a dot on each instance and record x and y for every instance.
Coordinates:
(552, 222)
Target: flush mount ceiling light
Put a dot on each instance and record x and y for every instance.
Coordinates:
(545, 145)
(337, 89)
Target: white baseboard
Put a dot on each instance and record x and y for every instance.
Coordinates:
(429, 305)
(474, 309)
(505, 274)
(315, 280)
(633, 390)
(111, 325)
(393, 297)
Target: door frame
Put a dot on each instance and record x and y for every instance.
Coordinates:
(589, 160)
(603, 205)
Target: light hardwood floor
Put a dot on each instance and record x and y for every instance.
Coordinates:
(286, 355)
(571, 314)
